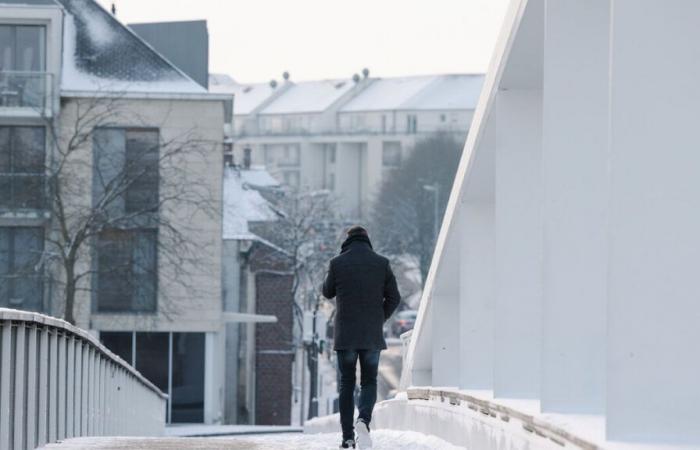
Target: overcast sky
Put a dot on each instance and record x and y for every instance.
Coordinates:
(256, 40)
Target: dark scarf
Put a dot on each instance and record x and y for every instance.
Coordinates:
(352, 239)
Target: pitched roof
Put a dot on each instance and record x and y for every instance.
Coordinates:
(247, 97)
(101, 53)
(243, 203)
(309, 97)
(419, 92)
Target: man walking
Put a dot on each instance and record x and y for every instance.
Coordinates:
(366, 295)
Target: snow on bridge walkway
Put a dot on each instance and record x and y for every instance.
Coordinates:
(383, 440)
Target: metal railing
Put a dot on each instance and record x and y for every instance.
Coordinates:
(23, 89)
(57, 381)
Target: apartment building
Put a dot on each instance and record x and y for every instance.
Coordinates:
(67, 62)
(345, 135)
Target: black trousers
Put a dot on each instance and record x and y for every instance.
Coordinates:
(347, 364)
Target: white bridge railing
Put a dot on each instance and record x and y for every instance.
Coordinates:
(57, 381)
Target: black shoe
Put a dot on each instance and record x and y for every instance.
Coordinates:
(348, 443)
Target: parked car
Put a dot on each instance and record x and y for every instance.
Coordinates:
(403, 321)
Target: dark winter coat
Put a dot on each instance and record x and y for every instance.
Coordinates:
(366, 295)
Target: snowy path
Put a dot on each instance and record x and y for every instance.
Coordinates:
(383, 440)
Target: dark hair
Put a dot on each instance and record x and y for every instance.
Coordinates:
(357, 231)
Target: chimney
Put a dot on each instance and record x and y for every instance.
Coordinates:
(114, 9)
(246, 158)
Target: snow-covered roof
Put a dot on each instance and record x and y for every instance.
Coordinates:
(309, 97)
(418, 93)
(247, 97)
(243, 203)
(102, 54)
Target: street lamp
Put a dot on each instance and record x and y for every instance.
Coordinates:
(435, 189)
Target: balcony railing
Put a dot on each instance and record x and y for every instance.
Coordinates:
(26, 90)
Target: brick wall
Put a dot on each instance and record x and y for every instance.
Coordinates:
(273, 359)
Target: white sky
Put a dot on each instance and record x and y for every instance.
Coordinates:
(256, 40)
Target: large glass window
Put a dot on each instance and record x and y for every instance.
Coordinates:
(142, 155)
(174, 362)
(188, 378)
(127, 270)
(22, 48)
(22, 167)
(127, 160)
(21, 279)
(120, 343)
(22, 63)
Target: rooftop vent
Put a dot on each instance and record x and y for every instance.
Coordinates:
(273, 84)
(365, 72)
(356, 78)
(285, 75)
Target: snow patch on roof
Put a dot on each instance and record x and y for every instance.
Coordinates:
(309, 97)
(243, 203)
(101, 54)
(247, 97)
(420, 92)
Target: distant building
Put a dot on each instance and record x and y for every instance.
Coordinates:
(53, 56)
(257, 279)
(344, 135)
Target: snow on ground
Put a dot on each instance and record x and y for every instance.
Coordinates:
(382, 439)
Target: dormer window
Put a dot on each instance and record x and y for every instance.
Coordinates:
(22, 48)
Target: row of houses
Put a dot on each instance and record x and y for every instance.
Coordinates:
(344, 135)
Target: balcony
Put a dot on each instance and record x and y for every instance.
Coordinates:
(26, 94)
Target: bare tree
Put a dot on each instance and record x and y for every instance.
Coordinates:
(402, 220)
(306, 233)
(104, 182)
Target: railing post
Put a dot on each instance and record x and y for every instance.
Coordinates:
(33, 357)
(61, 430)
(53, 381)
(19, 404)
(70, 388)
(6, 367)
(42, 425)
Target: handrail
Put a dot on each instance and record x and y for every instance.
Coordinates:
(57, 381)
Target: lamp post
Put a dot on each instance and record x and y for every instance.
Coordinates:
(435, 189)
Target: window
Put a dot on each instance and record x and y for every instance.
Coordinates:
(22, 48)
(120, 343)
(331, 181)
(21, 279)
(22, 51)
(330, 150)
(127, 270)
(183, 381)
(291, 178)
(22, 175)
(188, 378)
(443, 118)
(142, 155)
(127, 158)
(411, 124)
(391, 154)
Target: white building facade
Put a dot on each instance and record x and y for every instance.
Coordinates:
(563, 284)
(344, 135)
